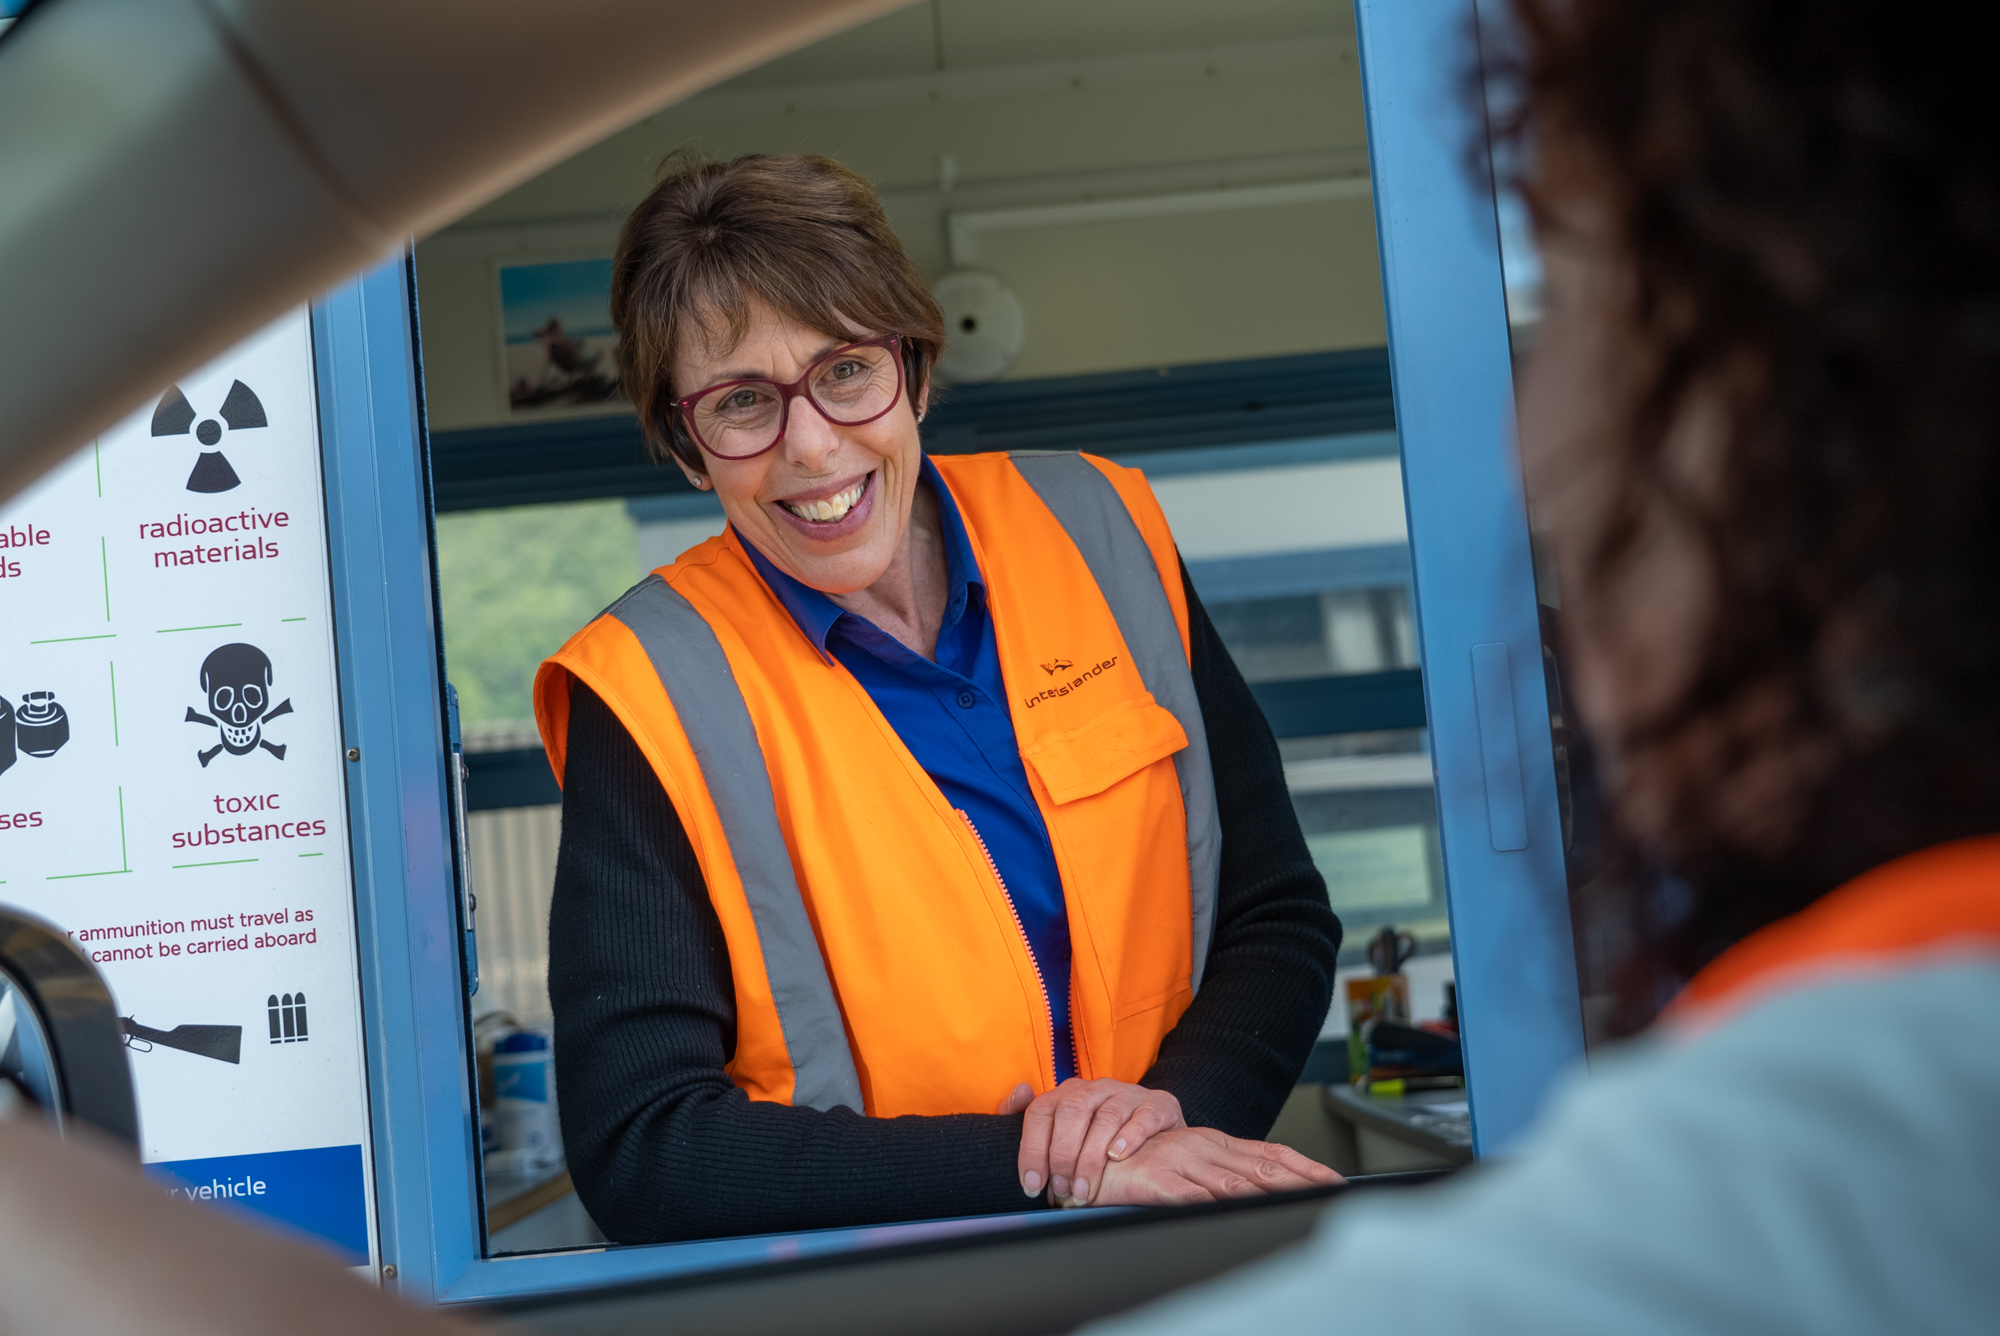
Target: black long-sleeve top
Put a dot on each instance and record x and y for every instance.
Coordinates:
(663, 1146)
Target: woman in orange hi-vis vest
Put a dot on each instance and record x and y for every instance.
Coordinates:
(924, 853)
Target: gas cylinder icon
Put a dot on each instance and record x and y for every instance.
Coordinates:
(6, 736)
(41, 727)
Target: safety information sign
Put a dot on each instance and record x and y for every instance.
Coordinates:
(172, 787)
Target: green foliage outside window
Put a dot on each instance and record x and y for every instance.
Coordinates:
(516, 584)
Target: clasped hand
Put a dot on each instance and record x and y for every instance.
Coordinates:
(1111, 1143)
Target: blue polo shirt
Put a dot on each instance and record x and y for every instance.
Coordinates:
(952, 715)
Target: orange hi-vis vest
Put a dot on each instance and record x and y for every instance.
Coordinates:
(1937, 905)
(877, 960)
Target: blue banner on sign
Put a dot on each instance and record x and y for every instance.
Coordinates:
(319, 1191)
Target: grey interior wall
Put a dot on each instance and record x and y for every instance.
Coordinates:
(970, 105)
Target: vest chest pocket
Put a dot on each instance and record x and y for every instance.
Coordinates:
(1080, 762)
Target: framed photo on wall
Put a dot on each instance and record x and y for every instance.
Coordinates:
(558, 348)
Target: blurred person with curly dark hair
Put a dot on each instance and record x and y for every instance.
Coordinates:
(1761, 425)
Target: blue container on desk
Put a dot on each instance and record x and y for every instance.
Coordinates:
(524, 1097)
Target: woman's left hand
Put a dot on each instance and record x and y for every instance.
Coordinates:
(1071, 1132)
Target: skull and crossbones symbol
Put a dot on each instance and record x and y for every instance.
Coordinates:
(237, 679)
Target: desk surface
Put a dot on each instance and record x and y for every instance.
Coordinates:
(1438, 1121)
(511, 1198)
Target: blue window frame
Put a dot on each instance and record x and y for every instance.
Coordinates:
(1477, 630)
(1451, 373)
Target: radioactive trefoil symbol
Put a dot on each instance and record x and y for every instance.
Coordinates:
(175, 415)
(237, 681)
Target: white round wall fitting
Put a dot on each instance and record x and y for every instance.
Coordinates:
(983, 326)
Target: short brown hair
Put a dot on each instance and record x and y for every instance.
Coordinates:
(800, 233)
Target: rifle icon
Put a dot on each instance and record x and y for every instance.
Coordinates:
(224, 1043)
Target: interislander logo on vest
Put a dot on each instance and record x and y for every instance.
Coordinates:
(1054, 666)
(1073, 684)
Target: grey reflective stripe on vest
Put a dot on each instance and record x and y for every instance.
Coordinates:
(696, 674)
(1090, 509)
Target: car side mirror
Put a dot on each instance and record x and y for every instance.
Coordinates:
(60, 1046)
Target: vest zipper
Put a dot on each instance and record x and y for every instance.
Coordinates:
(1048, 1006)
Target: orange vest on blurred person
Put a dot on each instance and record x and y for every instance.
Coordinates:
(1935, 906)
(876, 958)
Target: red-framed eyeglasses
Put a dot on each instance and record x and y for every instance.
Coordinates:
(854, 384)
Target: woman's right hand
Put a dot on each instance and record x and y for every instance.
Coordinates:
(1191, 1164)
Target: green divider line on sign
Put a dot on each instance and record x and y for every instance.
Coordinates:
(217, 626)
(104, 559)
(220, 862)
(321, 854)
(66, 640)
(124, 856)
(114, 712)
(97, 457)
(291, 619)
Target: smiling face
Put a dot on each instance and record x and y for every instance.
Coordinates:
(830, 505)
